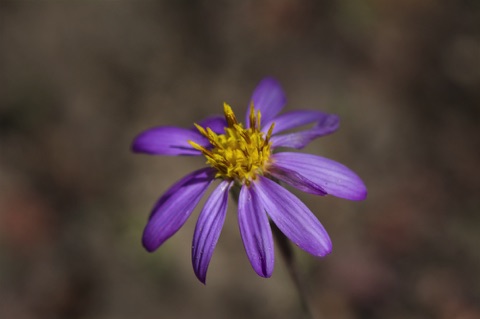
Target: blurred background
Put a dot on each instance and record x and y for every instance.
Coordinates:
(79, 79)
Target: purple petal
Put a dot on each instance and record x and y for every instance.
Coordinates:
(268, 98)
(208, 228)
(174, 208)
(256, 232)
(325, 124)
(335, 178)
(216, 123)
(294, 119)
(296, 180)
(293, 218)
(168, 140)
(185, 181)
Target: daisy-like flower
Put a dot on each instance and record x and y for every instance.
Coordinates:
(242, 156)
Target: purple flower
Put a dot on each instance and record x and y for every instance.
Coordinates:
(241, 156)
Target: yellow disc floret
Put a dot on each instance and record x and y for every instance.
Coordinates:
(241, 153)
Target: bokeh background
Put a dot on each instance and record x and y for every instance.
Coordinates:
(79, 79)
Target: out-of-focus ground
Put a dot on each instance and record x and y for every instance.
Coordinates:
(79, 79)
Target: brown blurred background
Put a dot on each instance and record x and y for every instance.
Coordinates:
(79, 79)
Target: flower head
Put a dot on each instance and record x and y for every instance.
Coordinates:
(242, 156)
(240, 153)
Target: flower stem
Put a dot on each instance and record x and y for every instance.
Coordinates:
(287, 254)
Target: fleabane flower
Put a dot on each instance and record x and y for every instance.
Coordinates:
(242, 156)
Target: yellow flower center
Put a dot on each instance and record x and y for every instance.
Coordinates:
(241, 153)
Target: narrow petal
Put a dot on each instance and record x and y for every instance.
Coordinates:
(335, 178)
(216, 123)
(296, 180)
(293, 218)
(268, 98)
(168, 140)
(324, 125)
(208, 228)
(256, 232)
(171, 211)
(185, 181)
(294, 119)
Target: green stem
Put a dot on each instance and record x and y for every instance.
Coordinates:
(289, 258)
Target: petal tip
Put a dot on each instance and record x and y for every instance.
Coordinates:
(263, 271)
(363, 195)
(135, 147)
(201, 278)
(269, 79)
(149, 239)
(360, 194)
(200, 273)
(324, 250)
(148, 244)
(329, 249)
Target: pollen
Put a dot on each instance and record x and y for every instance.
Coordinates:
(241, 153)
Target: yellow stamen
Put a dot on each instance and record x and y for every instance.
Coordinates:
(241, 153)
(229, 115)
(252, 116)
